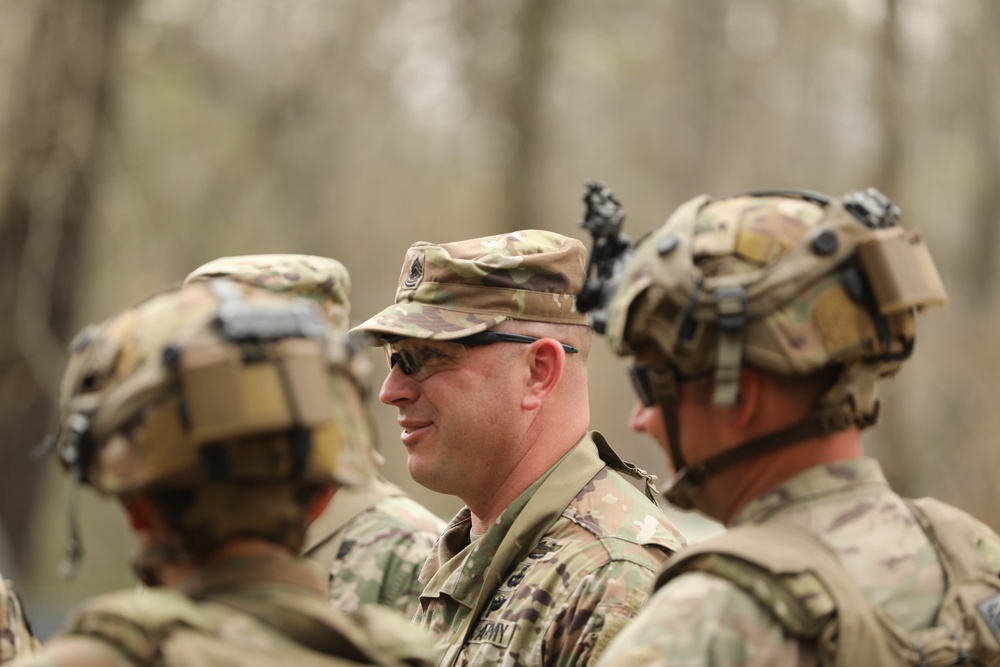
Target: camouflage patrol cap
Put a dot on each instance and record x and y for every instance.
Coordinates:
(451, 290)
(212, 383)
(790, 283)
(321, 279)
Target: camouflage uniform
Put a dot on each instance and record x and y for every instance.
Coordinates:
(372, 537)
(702, 619)
(209, 412)
(571, 558)
(796, 284)
(374, 544)
(16, 638)
(209, 614)
(579, 585)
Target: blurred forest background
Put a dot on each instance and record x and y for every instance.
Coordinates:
(141, 138)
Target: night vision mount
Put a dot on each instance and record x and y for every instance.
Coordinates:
(603, 218)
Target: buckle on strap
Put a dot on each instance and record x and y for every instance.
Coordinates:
(833, 418)
(731, 307)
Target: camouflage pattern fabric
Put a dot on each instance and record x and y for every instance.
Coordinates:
(703, 619)
(579, 585)
(15, 634)
(326, 282)
(321, 279)
(372, 538)
(373, 549)
(203, 624)
(457, 289)
(788, 269)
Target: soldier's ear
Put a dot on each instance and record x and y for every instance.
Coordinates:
(546, 360)
(140, 514)
(320, 500)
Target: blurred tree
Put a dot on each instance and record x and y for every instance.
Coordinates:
(984, 102)
(507, 80)
(57, 105)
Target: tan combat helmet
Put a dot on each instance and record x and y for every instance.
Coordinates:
(327, 282)
(222, 390)
(788, 282)
(322, 279)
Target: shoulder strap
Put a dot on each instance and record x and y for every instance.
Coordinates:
(856, 634)
(615, 462)
(969, 616)
(954, 536)
(137, 623)
(570, 474)
(325, 635)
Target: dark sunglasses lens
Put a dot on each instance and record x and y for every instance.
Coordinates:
(405, 362)
(642, 385)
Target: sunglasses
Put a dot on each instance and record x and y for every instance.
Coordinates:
(421, 358)
(651, 384)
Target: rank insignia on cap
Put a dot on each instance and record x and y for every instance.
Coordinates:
(416, 273)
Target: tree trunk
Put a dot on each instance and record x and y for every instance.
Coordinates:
(57, 106)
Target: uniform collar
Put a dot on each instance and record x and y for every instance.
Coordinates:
(457, 568)
(252, 571)
(814, 483)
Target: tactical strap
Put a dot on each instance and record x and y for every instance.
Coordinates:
(973, 596)
(858, 635)
(615, 462)
(570, 474)
(731, 321)
(689, 480)
(317, 634)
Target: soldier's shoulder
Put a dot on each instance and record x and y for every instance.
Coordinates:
(623, 520)
(695, 616)
(147, 606)
(409, 515)
(960, 526)
(75, 652)
(136, 622)
(395, 637)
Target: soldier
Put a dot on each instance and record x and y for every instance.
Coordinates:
(555, 549)
(208, 413)
(372, 538)
(759, 325)
(16, 638)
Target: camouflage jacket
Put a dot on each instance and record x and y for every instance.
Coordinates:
(248, 611)
(562, 603)
(373, 540)
(16, 638)
(699, 618)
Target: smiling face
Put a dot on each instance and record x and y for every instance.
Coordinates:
(458, 411)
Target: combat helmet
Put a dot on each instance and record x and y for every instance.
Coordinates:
(791, 282)
(322, 279)
(325, 281)
(216, 396)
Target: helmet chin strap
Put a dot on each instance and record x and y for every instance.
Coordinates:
(684, 489)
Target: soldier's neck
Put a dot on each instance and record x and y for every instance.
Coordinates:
(172, 574)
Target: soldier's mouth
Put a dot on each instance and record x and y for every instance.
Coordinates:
(413, 430)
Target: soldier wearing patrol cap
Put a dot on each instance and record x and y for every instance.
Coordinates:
(208, 412)
(759, 326)
(487, 355)
(16, 638)
(372, 538)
